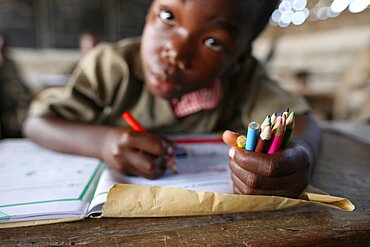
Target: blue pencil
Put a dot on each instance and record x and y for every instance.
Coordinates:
(252, 136)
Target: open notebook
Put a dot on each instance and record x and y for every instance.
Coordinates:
(39, 184)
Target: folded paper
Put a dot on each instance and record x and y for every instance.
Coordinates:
(125, 200)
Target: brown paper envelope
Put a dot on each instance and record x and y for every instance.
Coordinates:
(126, 200)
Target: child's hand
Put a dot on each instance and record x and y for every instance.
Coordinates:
(284, 173)
(137, 153)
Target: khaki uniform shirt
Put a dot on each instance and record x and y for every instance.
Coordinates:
(109, 81)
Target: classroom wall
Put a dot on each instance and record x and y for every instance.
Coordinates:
(58, 24)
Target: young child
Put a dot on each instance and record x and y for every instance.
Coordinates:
(191, 72)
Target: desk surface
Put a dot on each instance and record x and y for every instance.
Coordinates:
(343, 170)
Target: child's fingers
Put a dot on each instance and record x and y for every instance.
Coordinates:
(245, 190)
(143, 141)
(169, 154)
(171, 164)
(236, 190)
(230, 137)
(141, 164)
(250, 161)
(268, 165)
(297, 179)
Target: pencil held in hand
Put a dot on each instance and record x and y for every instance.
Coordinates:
(290, 122)
(252, 136)
(132, 122)
(241, 141)
(264, 138)
(278, 131)
(168, 157)
(273, 119)
(266, 122)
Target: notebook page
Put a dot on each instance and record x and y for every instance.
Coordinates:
(36, 183)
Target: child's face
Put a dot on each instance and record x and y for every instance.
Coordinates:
(188, 44)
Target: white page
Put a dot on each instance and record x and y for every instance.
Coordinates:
(36, 183)
(206, 168)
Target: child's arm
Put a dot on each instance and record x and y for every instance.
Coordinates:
(122, 149)
(284, 173)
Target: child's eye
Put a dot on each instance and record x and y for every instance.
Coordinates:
(213, 44)
(167, 17)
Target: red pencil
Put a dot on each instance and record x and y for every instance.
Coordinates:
(132, 122)
(137, 127)
(264, 139)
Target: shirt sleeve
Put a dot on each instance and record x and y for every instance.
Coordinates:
(90, 90)
(267, 97)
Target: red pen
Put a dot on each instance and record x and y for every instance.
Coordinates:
(135, 125)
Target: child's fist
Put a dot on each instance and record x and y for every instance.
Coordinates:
(137, 153)
(284, 173)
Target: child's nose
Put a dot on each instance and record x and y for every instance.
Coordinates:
(177, 52)
(173, 59)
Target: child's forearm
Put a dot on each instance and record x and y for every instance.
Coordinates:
(66, 136)
(308, 132)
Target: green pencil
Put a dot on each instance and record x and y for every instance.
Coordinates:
(290, 122)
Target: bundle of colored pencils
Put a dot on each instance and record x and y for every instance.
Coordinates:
(273, 134)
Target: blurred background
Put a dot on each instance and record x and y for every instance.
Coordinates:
(316, 48)
(321, 50)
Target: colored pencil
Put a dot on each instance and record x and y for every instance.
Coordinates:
(286, 113)
(132, 122)
(290, 123)
(264, 139)
(264, 123)
(240, 141)
(252, 136)
(273, 119)
(278, 136)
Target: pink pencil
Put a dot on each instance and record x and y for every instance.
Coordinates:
(278, 136)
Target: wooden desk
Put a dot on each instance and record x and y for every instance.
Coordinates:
(343, 170)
